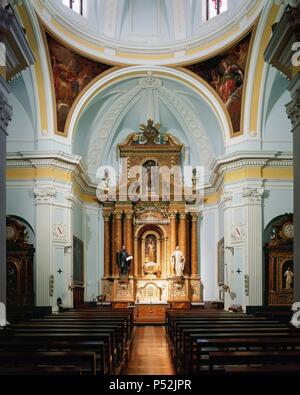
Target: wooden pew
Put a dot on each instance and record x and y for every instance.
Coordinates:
(252, 357)
(84, 360)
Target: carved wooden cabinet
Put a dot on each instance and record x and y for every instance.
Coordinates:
(19, 265)
(280, 265)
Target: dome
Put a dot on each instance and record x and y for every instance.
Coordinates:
(152, 31)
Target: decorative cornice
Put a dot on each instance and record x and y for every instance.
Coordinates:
(75, 166)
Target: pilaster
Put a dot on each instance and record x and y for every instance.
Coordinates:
(5, 117)
(44, 199)
(293, 112)
(253, 198)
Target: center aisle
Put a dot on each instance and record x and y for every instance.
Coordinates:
(150, 352)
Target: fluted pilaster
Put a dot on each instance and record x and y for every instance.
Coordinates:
(44, 198)
(253, 205)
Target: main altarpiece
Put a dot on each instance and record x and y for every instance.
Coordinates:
(153, 226)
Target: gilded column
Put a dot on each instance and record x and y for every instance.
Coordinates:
(194, 244)
(173, 233)
(182, 232)
(136, 269)
(106, 217)
(118, 236)
(129, 237)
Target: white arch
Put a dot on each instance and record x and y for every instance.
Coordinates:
(158, 71)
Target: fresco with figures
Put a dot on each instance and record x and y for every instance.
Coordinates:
(71, 73)
(226, 74)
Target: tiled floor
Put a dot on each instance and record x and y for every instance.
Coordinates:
(150, 352)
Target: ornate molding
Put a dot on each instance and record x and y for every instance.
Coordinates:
(253, 195)
(100, 136)
(44, 195)
(192, 123)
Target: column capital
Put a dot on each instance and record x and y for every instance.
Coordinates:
(182, 214)
(106, 216)
(253, 195)
(118, 214)
(129, 214)
(173, 214)
(293, 109)
(44, 194)
(227, 199)
(194, 216)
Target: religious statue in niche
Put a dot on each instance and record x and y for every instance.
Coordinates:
(177, 262)
(150, 248)
(151, 267)
(288, 276)
(124, 261)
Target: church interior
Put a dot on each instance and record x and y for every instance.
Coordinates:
(147, 187)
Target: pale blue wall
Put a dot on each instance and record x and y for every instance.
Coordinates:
(93, 255)
(77, 221)
(277, 202)
(208, 251)
(21, 202)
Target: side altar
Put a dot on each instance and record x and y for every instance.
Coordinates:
(150, 226)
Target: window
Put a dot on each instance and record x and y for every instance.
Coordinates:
(75, 5)
(215, 7)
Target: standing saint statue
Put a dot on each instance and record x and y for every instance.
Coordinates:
(177, 262)
(151, 251)
(288, 278)
(123, 261)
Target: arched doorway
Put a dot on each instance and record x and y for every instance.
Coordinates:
(19, 262)
(279, 266)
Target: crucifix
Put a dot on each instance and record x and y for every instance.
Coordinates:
(238, 271)
(59, 271)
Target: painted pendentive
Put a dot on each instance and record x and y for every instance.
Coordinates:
(226, 73)
(71, 73)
